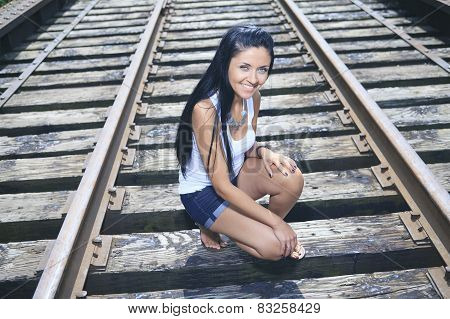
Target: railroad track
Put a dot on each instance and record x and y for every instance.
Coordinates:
(372, 225)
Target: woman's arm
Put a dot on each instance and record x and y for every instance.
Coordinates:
(283, 163)
(203, 122)
(253, 151)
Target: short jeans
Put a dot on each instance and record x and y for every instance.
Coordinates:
(205, 206)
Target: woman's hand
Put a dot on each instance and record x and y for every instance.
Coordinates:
(286, 236)
(283, 163)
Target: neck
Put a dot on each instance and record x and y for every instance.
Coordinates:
(236, 105)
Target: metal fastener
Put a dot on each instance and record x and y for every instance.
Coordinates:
(97, 240)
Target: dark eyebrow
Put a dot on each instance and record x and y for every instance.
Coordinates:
(264, 66)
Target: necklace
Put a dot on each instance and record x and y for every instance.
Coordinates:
(235, 124)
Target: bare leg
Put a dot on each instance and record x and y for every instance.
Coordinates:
(250, 235)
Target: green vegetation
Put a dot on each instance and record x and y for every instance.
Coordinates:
(3, 2)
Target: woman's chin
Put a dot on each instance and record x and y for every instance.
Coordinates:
(246, 94)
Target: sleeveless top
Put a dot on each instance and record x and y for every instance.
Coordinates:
(196, 176)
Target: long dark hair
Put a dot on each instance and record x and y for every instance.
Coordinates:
(215, 79)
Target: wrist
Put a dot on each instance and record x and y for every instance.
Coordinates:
(275, 220)
(261, 150)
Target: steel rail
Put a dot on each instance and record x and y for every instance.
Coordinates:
(17, 83)
(427, 198)
(69, 260)
(405, 36)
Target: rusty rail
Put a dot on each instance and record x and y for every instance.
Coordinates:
(73, 250)
(400, 164)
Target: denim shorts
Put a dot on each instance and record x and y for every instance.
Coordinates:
(205, 206)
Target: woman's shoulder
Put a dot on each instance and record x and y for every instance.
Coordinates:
(203, 111)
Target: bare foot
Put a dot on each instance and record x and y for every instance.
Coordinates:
(211, 239)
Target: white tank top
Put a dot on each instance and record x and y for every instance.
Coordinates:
(196, 176)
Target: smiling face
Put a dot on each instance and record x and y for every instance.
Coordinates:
(248, 70)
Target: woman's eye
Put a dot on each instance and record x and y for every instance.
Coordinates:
(262, 71)
(245, 68)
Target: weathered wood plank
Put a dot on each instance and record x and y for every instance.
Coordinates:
(159, 165)
(358, 15)
(211, 33)
(362, 59)
(199, 44)
(223, 16)
(321, 26)
(393, 96)
(28, 207)
(68, 66)
(81, 141)
(104, 77)
(382, 45)
(40, 122)
(109, 17)
(55, 143)
(300, 82)
(340, 247)
(158, 208)
(308, 152)
(114, 4)
(420, 116)
(161, 261)
(197, 69)
(88, 33)
(195, 5)
(228, 9)
(313, 124)
(127, 9)
(330, 8)
(322, 3)
(98, 25)
(43, 100)
(85, 42)
(82, 53)
(412, 283)
(372, 33)
(400, 75)
(223, 24)
(358, 24)
(369, 76)
(348, 7)
(270, 105)
(319, 124)
(184, 57)
(19, 268)
(53, 173)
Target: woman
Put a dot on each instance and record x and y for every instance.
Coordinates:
(222, 170)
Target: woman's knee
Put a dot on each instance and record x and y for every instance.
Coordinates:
(295, 183)
(271, 250)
